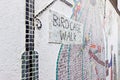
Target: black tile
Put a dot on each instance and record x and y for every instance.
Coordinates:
(27, 13)
(27, 17)
(23, 66)
(27, 22)
(27, 1)
(30, 69)
(30, 61)
(37, 77)
(27, 5)
(27, 31)
(27, 36)
(31, 52)
(31, 36)
(30, 79)
(31, 48)
(32, 44)
(31, 1)
(27, 9)
(33, 69)
(27, 70)
(31, 6)
(27, 62)
(31, 32)
(27, 45)
(31, 10)
(23, 61)
(27, 49)
(31, 25)
(26, 66)
(23, 57)
(27, 78)
(23, 71)
(31, 19)
(27, 26)
(32, 40)
(27, 75)
(36, 69)
(37, 65)
(27, 40)
(36, 56)
(30, 74)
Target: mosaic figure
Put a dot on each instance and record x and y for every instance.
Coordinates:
(30, 57)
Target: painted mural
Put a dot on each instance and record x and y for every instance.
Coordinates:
(111, 48)
(85, 61)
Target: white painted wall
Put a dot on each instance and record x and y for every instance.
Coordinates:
(12, 32)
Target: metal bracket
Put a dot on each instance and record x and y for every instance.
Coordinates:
(38, 23)
(67, 3)
(44, 9)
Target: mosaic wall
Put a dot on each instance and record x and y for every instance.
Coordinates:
(29, 57)
(85, 61)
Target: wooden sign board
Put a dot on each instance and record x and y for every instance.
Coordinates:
(64, 30)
